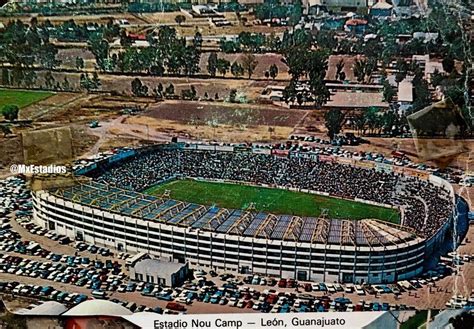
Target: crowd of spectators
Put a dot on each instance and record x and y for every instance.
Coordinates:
(426, 206)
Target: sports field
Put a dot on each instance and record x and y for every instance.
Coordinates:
(275, 201)
(21, 98)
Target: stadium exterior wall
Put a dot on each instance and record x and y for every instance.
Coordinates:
(302, 261)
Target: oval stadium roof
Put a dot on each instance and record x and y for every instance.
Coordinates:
(98, 307)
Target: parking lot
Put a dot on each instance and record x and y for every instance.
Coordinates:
(40, 264)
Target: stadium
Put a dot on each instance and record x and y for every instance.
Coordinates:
(114, 208)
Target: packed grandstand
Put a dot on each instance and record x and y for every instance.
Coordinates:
(426, 206)
(112, 210)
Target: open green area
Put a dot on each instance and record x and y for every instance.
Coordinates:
(271, 200)
(21, 98)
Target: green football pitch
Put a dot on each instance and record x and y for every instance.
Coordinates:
(276, 201)
(21, 98)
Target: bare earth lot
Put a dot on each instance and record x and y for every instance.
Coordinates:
(225, 112)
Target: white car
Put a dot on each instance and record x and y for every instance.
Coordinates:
(331, 288)
(359, 290)
(275, 309)
(233, 301)
(379, 289)
(349, 288)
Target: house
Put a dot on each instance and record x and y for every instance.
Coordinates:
(405, 92)
(160, 272)
(345, 5)
(381, 9)
(356, 25)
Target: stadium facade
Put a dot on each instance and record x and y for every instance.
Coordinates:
(304, 248)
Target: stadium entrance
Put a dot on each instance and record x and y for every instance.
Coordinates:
(347, 277)
(302, 276)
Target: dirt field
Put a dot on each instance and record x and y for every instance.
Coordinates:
(209, 121)
(226, 113)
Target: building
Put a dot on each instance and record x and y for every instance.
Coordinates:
(405, 94)
(160, 272)
(428, 65)
(381, 9)
(356, 25)
(245, 241)
(343, 4)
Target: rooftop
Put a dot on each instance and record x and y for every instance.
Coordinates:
(158, 267)
(405, 91)
(365, 232)
(382, 4)
(356, 21)
(356, 100)
(49, 308)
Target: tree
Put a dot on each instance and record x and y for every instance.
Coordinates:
(212, 64)
(339, 70)
(10, 112)
(236, 69)
(49, 80)
(46, 55)
(232, 95)
(436, 78)
(448, 63)
(66, 86)
(334, 119)
(363, 69)
(139, 89)
(179, 19)
(399, 76)
(170, 89)
(421, 95)
(99, 46)
(84, 82)
(372, 119)
(5, 129)
(193, 92)
(197, 40)
(388, 92)
(89, 84)
(79, 63)
(316, 67)
(273, 71)
(95, 80)
(296, 12)
(29, 78)
(6, 79)
(249, 63)
(124, 39)
(223, 66)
